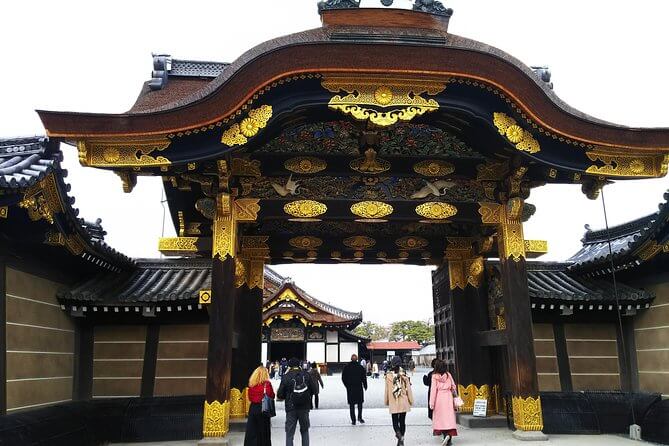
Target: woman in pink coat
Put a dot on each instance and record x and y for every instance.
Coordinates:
(441, 403)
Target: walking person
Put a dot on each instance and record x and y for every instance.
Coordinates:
(296, 389)
(258, 429)
(354, 378)
(398, 397)
(375, 371)
(441, 402)
(316, 378)
(427, 380)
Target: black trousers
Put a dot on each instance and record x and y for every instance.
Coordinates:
(315, 400)
(292, 417)
(351, 407)
(258, 430)
(399, 424)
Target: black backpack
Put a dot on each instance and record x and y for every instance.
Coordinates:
(301, 393)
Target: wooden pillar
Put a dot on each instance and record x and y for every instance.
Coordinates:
(224, 292)
(562, 357)
(520, 348)
(472, 362)
(3, 335)
(627, 360)
(82, 388)
(150, 360)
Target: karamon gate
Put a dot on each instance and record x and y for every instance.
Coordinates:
(377, 138)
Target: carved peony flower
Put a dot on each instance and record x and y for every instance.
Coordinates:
(249, 127)
(515, 134)
(383, 95)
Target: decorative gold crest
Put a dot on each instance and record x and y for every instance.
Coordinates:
(305, 242)
(238, 134)
(205, 297)
(305, 164)
(627, 165)
(359, 242)
(382, 101)
(436, 210)
(434, 168)
(411, 242)
(305, 208)
(522, 139)
(491, 213)
(128, 153)
(371, 209)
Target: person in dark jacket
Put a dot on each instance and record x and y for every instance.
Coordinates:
(316, 376)
(354, 378)
(297, 405)
(427, 380)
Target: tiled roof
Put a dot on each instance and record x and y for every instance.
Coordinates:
(553, 281)
(626, 239)
(387, 345)
(24, 161)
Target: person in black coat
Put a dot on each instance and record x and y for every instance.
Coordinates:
(354, 378)
(296, 412)
(427, 380)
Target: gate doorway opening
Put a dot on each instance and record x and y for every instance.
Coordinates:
(287, 350)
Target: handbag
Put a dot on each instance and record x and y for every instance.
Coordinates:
(457, 401)
(268, 407)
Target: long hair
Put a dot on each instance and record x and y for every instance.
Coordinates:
(259, 376)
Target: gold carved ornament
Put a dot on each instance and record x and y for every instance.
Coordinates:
(527, 414)
(305, 208)
(254, 254)
(471, 393)
(628, 165)
(305, 165)
(305, 242)
(72, 242)
(436, 210)
(434, 168)
(536, 246)
(411, 242)
(381, 100)
(465, 272)
(521, 139)
(359, 242)
(650, 249)
(178, 245)
(371, 210)
(245, 167)
(216, 419)
(42, 200)
(123, 153)
(228, 213)
(239, 133)
(456, 274)
(240, 272)
(239, 404)
(4, 211)
(510, 231)
(204, 297)
(369, 164)
(491, 213)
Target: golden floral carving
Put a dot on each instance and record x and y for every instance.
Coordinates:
(491, 213)
(371, 209)
(246, 209)
(369, 164)
(305, 208)
(238, 403)
(216, 419)
(475, 271)
(123, 153)
(305, 242)
(238, 134)
(240, 272)
(177, 245)
(224, 229)
(471, 393)
(510, 231)
(382, 100)
(434, 168)
(492, 171)
(359, 242)
(305, 165)
(42, 200)
(411, 242)
(522, 139)
(536, 246)
(436, 210)
(527, 415)
(245, 167)
(4, 211)
(456, 274)
(627, 165)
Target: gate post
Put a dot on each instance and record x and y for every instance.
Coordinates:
(522, 371)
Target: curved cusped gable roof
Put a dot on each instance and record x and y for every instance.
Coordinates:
(374, 48)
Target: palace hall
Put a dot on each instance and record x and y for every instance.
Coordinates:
(377, 138)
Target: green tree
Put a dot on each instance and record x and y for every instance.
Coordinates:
(371, 331)
(418, 331)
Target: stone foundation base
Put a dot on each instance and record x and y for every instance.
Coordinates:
(529, 435)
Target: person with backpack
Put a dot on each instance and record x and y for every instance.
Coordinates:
(296, 389)
(354, 378)
(258, 429)
(398, 397)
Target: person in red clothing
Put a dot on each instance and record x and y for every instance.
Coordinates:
(258, 429)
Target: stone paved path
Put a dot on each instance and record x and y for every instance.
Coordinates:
(332, 427)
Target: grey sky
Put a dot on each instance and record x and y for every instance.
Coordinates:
(608, 59)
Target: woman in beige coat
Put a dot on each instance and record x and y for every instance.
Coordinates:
(398, 397)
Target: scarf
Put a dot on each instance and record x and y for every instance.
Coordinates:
(398, 383)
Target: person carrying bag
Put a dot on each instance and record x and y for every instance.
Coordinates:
(261, 395)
